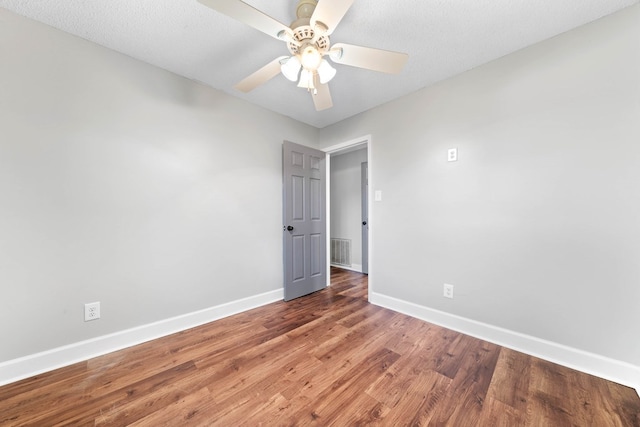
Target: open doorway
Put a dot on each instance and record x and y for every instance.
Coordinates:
(348, 207)
(348, 248)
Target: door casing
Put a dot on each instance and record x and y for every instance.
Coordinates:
(364, 197)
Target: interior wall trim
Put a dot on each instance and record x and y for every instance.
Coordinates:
(354, 267)
(28, 366)
(610, 369)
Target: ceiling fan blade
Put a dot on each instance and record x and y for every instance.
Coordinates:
(241, 11)
(330, 13)
(261, 76)
(384, 61)
(322, 99)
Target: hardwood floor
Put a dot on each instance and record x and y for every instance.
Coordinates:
(330, 358)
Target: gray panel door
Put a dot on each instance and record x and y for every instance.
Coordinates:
(304, 194)
(364, 180)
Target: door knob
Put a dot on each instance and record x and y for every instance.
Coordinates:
(364, 222)
(289, 228)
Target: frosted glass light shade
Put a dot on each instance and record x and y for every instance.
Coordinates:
(306, 79)
(326, 72)
(291, 68)
(310, 57)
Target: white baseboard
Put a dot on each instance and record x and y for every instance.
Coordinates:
(28, 366)
(354, 267)
(590, 363)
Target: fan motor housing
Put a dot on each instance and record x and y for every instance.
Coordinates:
(303, 33)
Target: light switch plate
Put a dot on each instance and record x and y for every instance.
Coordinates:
(378, 196)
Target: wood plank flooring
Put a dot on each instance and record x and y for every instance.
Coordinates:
(330, 358)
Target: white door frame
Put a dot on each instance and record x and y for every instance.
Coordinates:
(362, 142)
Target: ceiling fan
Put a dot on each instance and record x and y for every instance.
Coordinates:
(308, 42)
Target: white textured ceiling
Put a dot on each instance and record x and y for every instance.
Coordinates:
(442, 37)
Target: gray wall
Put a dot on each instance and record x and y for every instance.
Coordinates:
(538, 223)
(125, 184)
(346, 201)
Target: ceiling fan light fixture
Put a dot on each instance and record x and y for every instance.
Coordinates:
(310, 58)
(326, 72)
(290, 68)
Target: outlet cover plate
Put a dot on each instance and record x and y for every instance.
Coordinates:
(448, 291)
(91, 311)
(452, 155)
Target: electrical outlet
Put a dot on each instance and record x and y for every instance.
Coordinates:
(448, 291)
(91, 311)
(452, 155)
